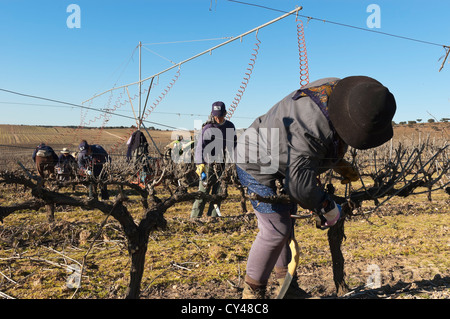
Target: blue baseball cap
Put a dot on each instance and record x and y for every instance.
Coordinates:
(83, 146)
(218, 109)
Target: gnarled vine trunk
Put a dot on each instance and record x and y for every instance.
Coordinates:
(336, 236)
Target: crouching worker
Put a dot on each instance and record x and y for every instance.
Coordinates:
(66, 166)
(300, 137)
(91, 159)
(45, 159)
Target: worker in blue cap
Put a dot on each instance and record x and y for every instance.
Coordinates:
(215, 142)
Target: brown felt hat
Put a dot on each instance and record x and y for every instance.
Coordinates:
(361, 110)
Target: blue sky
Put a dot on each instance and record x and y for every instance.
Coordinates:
(42, 56)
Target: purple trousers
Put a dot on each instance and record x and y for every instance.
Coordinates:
(271, 246)
(270, 250)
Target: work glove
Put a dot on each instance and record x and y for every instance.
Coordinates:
(328, 216)
(347, 171)
(200, 169)
(82, 171)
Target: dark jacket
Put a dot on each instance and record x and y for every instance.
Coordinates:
(293, 143)
(48, 150)
(138, 145)
(66, 162)
(97, 158)
(214, 141)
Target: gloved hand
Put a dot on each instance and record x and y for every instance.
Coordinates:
(347, 171)
(200, 169)
(82, 171)
(328, 216)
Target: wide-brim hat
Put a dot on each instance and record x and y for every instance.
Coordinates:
(65, 151)
(218, 109)
(361, 110)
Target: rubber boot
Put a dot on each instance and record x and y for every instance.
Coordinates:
(93, 191)
(199, 204)
(104, 192)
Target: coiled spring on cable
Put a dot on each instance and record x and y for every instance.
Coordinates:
(144, 116)
(163, 94)
(303, 56)
(75, 132)
(107, 116)
(245, 81)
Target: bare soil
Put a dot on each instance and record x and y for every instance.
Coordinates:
(205, 258)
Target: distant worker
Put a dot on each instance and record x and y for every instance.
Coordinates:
(172, 145)
(181, 149)
(66, 165)
(215, 142)
(91, 159)
(45, 158)
(176, 146)
(137, 147)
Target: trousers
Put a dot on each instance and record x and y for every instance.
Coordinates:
(270, 249)
(213, 187)
(45, 166)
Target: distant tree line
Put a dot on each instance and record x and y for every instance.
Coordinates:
(151, 128)
(443, 120)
